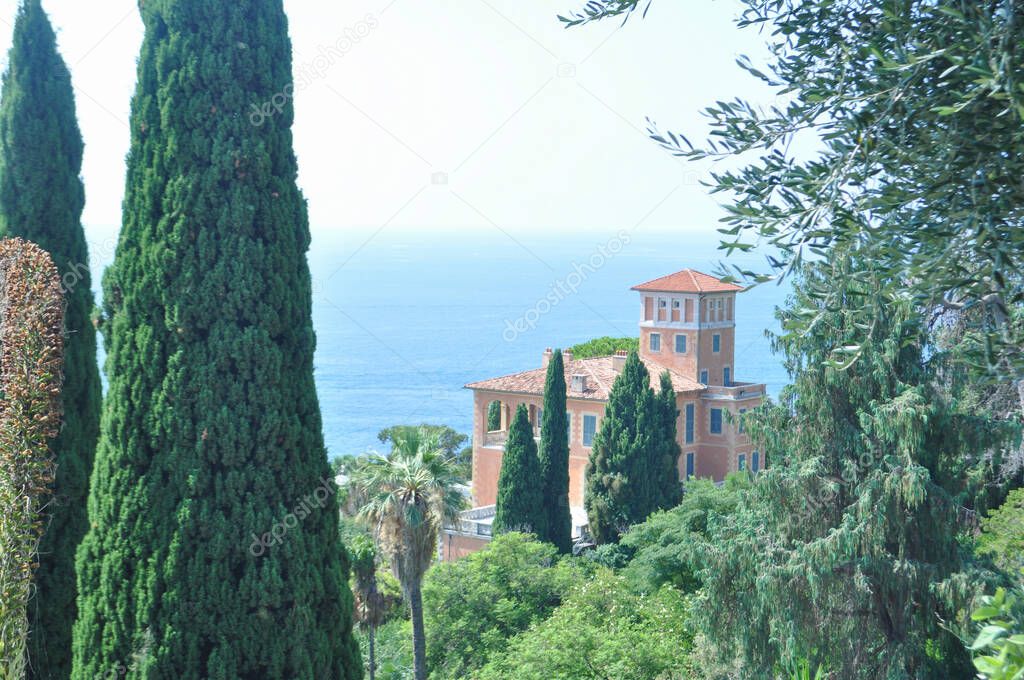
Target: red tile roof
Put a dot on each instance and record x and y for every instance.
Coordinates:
(688, 281)
(600, 373)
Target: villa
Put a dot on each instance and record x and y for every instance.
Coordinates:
(688, 328)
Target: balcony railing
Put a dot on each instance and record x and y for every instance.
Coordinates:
(735, 391)
(476, 522)
(497, 439)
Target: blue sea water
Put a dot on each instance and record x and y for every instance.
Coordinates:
(404, 319)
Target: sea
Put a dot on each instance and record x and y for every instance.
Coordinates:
(406, 318)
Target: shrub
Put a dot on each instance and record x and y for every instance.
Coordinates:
(31, 354)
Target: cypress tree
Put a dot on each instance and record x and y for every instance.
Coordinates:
(618, 487)
(554, 457)
(520, 504)
(213, 549)
(665, 464)
(494, 416)
(41, 200)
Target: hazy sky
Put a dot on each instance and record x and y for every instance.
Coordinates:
(482, 114)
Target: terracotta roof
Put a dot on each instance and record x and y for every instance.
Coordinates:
(688, 281)
(600, 374)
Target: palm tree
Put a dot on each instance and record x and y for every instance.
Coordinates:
(410, 494)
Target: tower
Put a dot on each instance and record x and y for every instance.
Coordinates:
(688, 323)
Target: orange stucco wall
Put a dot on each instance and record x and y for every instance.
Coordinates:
(487, 460)
(454, 545)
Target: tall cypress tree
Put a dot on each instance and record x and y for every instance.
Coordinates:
(665, 464)
(554, 457)
(41, 200)
(520, 503)
(213, 550)
(618, 485)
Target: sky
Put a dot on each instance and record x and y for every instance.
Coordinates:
(481, 114)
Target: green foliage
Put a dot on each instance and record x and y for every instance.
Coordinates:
(451, 442)
(31, 355)
(625, 476)
(394, 650)
(595, 10)
(554, 458)
(604, 347)
(494, 416)
(603, 631)
(915, 113)
(410, 494)
(474, 605)
(1002, 534)
(41, 200)
(664, 546)
(213, 550)
(806, 670)
(846, 549)
(665, 487)
(520, 502)
(999, 645)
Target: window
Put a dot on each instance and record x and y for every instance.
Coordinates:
(716, 421)
(727, 376)
(680, 344)
(568, 427)
(589, 429)
(655, 342)
(755, 461)
(704, 377)
(741, 462)
(716, 343)
(689, 423)
(690, 465)
(742, 426)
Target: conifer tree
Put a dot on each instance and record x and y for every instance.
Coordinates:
(554, 457)
(845, 552)
(213, 549)
(618, 486)
(41, 200)
(665, 465)
(520, 505)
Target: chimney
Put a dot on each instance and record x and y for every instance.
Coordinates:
(579, 383)
(546, 358)
(567, 355)
(619, 360)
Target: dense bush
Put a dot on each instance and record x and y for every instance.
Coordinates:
(603, 631)
(474, 605)
(603, 347)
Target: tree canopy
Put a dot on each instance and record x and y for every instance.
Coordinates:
(847, 549)
(211, 498)
(900, 128)
(41, 200)
(475, 604)
(520, 502)
(554, 458)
